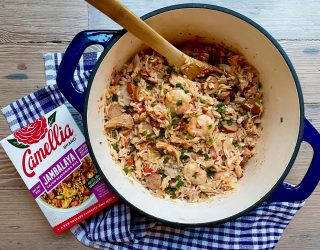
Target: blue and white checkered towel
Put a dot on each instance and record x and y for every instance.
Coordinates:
(118, 226)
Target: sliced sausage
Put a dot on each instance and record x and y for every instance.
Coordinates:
(230, 128)
(116, 79)
(133, 91)
(212, 79)
(252, 106)
(153, 181)
(223, 95)
(247, 154)
(114, 110)
(257, 109)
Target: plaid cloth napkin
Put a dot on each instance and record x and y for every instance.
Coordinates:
(118, 226)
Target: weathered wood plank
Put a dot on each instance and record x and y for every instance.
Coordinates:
(305, 56)
(283, 19)
(22, 69)
(303, 230)
(23, 226)
(41, 21)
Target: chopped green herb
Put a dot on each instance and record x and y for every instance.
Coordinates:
(145, 133)
(179, 102)
(170, 70)
(173, 196)
(162, 133)
(151, 137)
(206, 157)
(229, 122)
(136, 80)
(115, 147)
(175, 121)
(114, 134)
(183, 155)
(235, 80)
(114, 98)
(165, 160)
(219, 105)
(232, 97)
(162, 153)
(172, 190)
(179, 85)
(200, 152)
(210, 126)
(189, 137)
(161, 171)
(244, 101)
(259, 85)
(127, 109)
(178, 177)
(203, 101)
(210, 171)
(126, 170)
(281, 119)
(149, 87)
(194, 175)
(245, 112)
(220, 124)
(209, 140)
(220, 109)
(179, 184)
(173, 115)
(211, 95)
(235, 144)
(259, 101)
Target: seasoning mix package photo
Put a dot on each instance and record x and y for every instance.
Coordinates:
(52, 158)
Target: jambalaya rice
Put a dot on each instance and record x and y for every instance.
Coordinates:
(181, 138)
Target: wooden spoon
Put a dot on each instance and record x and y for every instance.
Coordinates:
(132, 23)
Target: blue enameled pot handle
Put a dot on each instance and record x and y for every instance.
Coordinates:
(71, 59)
(312, 177)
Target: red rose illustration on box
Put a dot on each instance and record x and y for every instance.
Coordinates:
(32, 133)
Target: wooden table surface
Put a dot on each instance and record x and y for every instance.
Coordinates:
(28, 28)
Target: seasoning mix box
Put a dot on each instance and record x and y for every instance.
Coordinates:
(52, 158)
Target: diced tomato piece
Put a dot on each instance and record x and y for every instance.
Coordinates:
(147, 169)
(204, 111)
(59, 203)
(86, 192)
(74, 203)
(130, 161)
(206, 72)
(181, 126)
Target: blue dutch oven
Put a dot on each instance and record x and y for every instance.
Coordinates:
(284, 124)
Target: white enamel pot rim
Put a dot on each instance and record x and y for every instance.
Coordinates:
(300, 126)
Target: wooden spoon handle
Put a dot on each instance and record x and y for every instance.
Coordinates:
(132, 23)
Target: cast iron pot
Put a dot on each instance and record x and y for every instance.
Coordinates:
(284, 124)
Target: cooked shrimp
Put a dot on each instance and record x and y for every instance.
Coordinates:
(178, 101)
(194, 174)
(200, 126)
